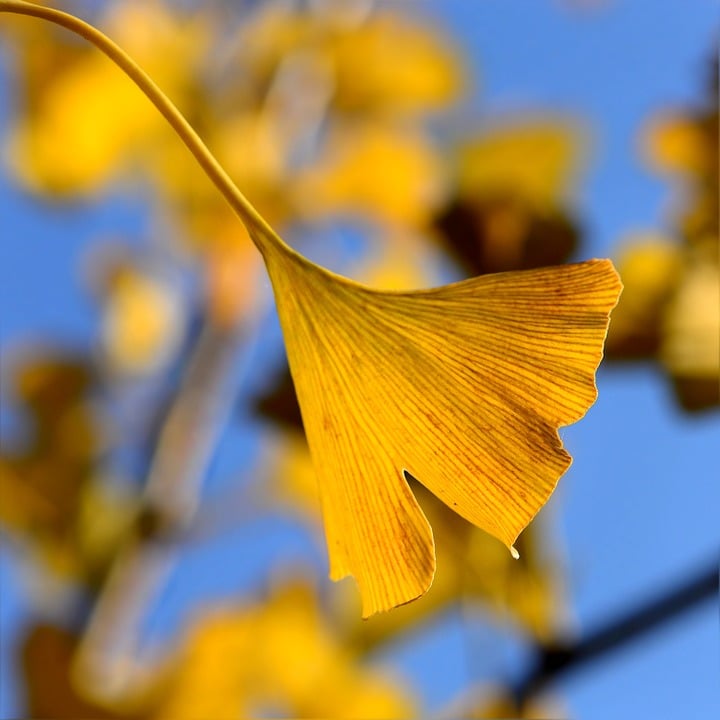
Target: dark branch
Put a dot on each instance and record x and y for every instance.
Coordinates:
(556, 660)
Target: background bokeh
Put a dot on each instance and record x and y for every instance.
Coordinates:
(162, 554)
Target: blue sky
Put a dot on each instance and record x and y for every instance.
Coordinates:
(638, 509)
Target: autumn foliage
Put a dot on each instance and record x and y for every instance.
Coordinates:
(412, 428)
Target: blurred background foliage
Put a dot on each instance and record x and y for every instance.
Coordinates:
(339, 121)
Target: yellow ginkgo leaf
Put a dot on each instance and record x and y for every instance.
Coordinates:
(691, 337)
(651, 266)
(240, 661)
(537, 161)
(86, 122)
(471, 565)
(142, 324)
(676, 145)
(388, 64)
(462, 386)
(346, 179)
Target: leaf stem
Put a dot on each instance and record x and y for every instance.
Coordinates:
(260, 231)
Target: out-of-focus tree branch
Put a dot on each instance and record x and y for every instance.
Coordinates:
(106, 658)
(558, 659)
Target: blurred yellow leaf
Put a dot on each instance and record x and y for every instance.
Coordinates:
(89, 121)
(142, 323)
(685, 145)
(675, 144)
(527, 592)
(252, 149)
(43, 482)
(650, 267)
(536, 161)
(388, 172)
(670, 311)
(690, 348)
(293, 473)
(397, 264)
(463, 386)
(383, 64)
(276, 657)
(390, 64)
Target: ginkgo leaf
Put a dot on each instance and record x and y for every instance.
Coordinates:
(472, 566)
(388, 64)
(496, 162)
(84, 121)
(675, 145)
(462, 386)
(240, 661)
(142, 323)
(345, 180)
(651, 267)
(690, 347)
